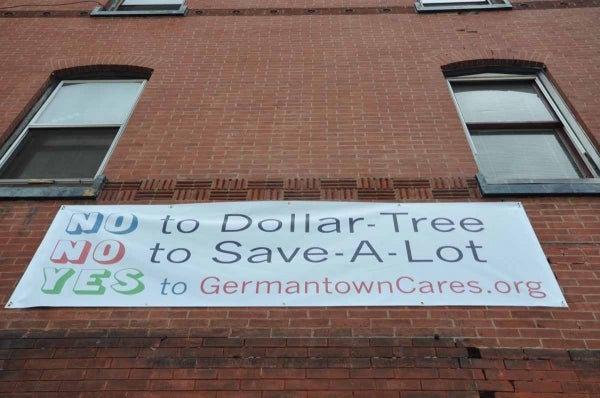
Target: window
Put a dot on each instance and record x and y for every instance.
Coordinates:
(461, 5)
(141, 8)
(149, 5)
(524, 138)
(69, 139)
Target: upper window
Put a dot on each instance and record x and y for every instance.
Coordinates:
(460, 5)
(149, 5)
(142, 7)
(523, 135)
(72, 134)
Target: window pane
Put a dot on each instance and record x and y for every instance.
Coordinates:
(90, 103)
(149, 2)
(59, 153)
(452, 1)
(523, 154)
(506, 101)
(134, 5)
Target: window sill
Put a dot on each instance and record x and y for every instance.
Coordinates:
(49, 189)
(99, 12)
(461, 7)
(576, 187)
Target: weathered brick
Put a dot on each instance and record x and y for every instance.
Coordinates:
(538, 386)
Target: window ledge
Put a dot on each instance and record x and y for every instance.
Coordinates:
(457, 6)
(576, 187)
(99, 12)
(49, 189)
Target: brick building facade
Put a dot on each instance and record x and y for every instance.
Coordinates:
(302, 100)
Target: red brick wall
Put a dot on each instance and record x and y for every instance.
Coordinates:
(124, 365)
(266, 97)
(327, 106)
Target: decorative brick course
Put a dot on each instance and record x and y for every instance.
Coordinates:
(372, 189)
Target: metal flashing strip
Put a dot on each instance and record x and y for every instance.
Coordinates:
(581, 187)
(53, 190)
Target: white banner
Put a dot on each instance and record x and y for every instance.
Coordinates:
(289, 254)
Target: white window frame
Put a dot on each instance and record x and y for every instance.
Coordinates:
(588, 155)
(148, 4)
(13, 146)
(423, 6)
(141, 8)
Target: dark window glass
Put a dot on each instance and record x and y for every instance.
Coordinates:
(49, 153)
